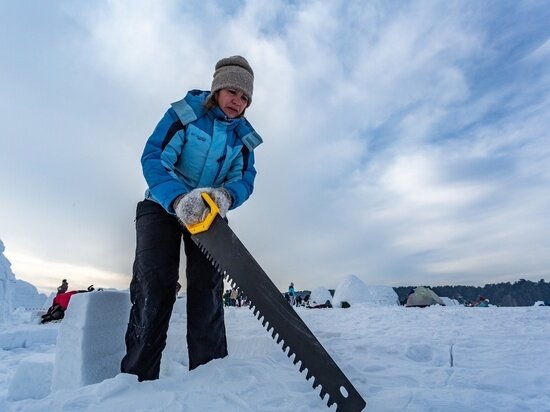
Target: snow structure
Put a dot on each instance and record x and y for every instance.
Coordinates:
(320, 295)
(25, 295)
(90, 342)
(353, 290)
(539, 303)
(7, 282)
(16, 293)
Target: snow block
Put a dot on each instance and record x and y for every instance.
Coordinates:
(90, 342)
(28, 338)
(32, 378)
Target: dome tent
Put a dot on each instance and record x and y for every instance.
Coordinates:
(422, 297)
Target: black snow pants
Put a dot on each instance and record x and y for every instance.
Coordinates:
(153, 293)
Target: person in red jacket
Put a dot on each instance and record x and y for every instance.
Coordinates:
(60, 304)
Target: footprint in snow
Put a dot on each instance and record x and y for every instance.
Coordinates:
(419, 353)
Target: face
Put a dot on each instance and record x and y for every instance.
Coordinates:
(232, 102)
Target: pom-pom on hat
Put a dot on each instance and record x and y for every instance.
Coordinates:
(233, 73)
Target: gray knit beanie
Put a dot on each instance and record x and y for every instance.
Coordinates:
(233, 73)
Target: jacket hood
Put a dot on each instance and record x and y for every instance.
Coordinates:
(191, 107)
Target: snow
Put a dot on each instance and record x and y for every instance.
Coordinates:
(320, 295)
(400, 359)
(32, 377)
(7, 281)
(354, 291)
(15, 293)
(25, 295)
(449, 302)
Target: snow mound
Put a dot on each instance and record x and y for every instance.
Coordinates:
(7, 282)
(25, 295)
(320, 295)
(15, 293)
(353, 290)
(449, 302)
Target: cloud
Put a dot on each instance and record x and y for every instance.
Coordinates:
(403, 143)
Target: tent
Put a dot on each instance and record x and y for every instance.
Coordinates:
(422, 297)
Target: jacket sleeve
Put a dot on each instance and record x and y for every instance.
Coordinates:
(164, 187)
(240, 181)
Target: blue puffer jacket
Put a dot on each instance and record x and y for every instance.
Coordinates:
(193, 148)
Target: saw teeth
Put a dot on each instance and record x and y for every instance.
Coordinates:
(317, 387)
(315, 383)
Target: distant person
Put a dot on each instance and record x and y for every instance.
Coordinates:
(482, 302)
(233, 297)
(227, 298)
(291, 294)
(61, 303)
(64, 287)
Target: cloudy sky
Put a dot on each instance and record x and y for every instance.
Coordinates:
(404, 142)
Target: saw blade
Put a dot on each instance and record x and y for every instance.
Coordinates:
(232, 259)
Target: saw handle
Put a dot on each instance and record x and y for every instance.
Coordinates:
(205, 224)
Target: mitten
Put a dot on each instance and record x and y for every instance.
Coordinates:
(223, 199)
(191, 208)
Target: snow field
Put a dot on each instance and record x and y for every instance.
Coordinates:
(399, 359)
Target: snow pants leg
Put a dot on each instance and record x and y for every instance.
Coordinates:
(153, 293)
(205, 322)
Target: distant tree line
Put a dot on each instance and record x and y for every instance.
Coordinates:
(521, 293)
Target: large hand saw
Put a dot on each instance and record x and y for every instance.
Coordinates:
(230, 257)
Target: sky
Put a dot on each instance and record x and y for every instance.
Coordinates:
(406, 143)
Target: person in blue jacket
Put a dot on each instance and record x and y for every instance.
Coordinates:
(291, 294)
(202, 144)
